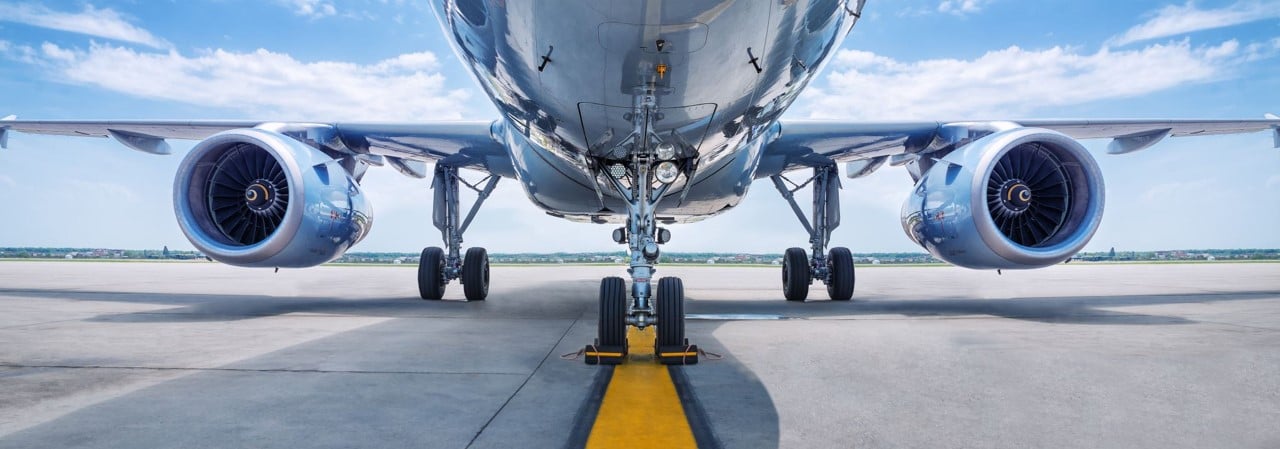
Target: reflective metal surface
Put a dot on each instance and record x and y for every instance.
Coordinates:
(588, 87)
(326, 212)
(949, 212)
(712, 76)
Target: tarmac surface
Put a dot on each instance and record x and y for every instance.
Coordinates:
(203, 355)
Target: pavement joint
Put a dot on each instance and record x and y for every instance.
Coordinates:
(1246, 326)
(522, 384)
(252, 370)
(19, 326)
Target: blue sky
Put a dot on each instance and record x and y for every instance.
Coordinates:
(339, 60)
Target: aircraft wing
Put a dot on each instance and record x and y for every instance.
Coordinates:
(404, 146)
(807, 143)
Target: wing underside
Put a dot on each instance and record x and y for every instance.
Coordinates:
(404, 146)
(799, 144)
(804, 144)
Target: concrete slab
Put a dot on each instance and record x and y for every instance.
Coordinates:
(203, 355)
(218, 409)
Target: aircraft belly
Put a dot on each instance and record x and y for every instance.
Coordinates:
(564, 188)
(568, 76)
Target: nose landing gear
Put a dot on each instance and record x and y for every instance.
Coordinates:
(641, 169)
(670, 347)
(641, 306)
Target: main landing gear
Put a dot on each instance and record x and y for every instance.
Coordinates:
(834, 268)
(437, 267)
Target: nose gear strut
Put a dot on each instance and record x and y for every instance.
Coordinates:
(639, 187)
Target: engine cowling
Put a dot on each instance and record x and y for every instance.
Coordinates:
(258, 198)
(1017, 198)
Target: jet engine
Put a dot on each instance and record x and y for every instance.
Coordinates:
(258, 198)
(1017, 198)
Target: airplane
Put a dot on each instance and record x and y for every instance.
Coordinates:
(642, 114)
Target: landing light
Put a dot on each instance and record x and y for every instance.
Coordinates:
(667, 172)
(666, 151)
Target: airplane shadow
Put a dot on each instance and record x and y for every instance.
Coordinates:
(198, 307)
(194, 307)
(1062, 309)
(751, 419)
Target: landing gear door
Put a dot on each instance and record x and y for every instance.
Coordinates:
(611, 131)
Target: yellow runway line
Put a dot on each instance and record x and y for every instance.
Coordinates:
(641, 408)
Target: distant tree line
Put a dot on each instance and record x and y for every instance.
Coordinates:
(620, 257)
(98, 253)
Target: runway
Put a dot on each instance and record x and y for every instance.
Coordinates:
(204, 355)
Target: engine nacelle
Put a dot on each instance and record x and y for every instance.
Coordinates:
(1018, 198)
(257, 198)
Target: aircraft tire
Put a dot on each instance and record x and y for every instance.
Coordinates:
(475, 274)
(431, 282)
(795, 275)
(670, 304)
(840, 263)
(612, 328)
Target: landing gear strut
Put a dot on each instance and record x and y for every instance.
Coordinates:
(437, 267)
(835, 269)
(642, 180)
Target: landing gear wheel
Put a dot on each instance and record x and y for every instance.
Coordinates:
(475, 274)
(670, 312)
(795, 275)
(611, 341)
(840, 264)
(671, 347)
(613, 312)
(431, 280)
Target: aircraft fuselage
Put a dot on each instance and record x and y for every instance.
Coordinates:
(569, 77)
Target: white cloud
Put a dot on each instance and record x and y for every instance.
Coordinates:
(311, 8)
(1173, 20)
(104, 23)
(20, 53)
(1009, 82)
(961, 7)
(1273, 182)
(407, 87)
(7, 182)
(57, 54)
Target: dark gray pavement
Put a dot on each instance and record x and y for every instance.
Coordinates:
(204, 355)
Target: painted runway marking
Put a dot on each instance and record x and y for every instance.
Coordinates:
(733, 317)
(641, 407)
